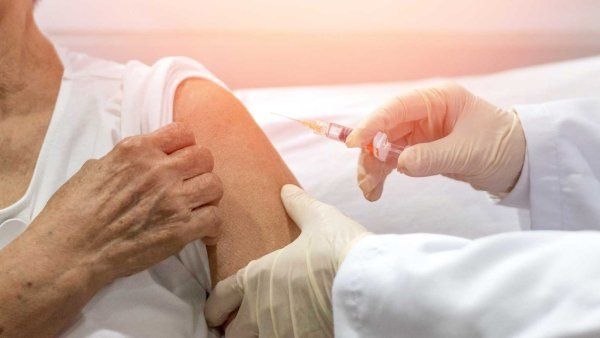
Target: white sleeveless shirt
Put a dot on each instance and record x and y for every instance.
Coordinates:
(100, 103)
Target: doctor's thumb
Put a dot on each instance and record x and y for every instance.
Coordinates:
(302, 208)
(225, 298)
(426, 159)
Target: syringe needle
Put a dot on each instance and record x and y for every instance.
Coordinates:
(287, 117)
(319, 127)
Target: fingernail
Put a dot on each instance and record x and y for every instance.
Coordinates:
(368, 183)
(374, 194)
(371, 197)
(289, 189)
(407, 159)
(351, 140)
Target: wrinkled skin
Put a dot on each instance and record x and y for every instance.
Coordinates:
(121, 214)
(137, 205)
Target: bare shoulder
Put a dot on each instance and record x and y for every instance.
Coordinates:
(202, 97)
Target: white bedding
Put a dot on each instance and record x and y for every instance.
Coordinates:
(437, 204)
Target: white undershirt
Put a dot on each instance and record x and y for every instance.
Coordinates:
(100, 103)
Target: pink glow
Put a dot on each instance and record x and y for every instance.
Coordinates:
(306, 42)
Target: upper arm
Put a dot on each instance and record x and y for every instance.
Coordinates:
(255, 222)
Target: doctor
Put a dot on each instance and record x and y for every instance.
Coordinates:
(337, 277)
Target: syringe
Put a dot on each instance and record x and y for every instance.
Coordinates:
(381, 148)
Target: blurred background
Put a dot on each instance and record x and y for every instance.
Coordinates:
(265, 43)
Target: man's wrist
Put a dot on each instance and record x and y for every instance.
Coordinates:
(63, 267)
(43, 289)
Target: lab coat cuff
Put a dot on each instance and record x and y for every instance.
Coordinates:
(542, 180)
(518, 197)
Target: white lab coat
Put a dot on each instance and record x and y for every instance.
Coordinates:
(523, 284)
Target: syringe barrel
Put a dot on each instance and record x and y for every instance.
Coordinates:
(338, 132)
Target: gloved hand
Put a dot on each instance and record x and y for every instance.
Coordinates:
(287, 293)
(449, 131)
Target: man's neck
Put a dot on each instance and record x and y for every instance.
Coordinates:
(30, 69)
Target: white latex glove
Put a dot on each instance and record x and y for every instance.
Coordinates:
(287, 293)
(449, 131)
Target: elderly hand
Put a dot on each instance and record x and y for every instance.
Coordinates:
(449, 131)
(287, 293)
(139, 204)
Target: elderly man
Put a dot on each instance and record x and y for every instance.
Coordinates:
(103, 200)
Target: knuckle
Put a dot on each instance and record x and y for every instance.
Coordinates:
(201, 183)
(211, 230)
(164, 171)
(142, 166)
(207, 223)
(181, 236)
(213, 184)
(214, 229)
(182, 129)
(450, 88)
(131, 144)
(219, 190)
(156, 174)
(179, 127)
(212, 216)
(417, 161)
(204, 156)
(185, 214)
(169, 208)
(89, 164)
(386, 110)
(176, 202)
(448, 84)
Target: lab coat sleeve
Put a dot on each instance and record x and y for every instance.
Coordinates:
(522, 284)
(560, 179)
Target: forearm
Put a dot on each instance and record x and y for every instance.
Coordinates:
(118, 215)
(41, 291)
(254, 220)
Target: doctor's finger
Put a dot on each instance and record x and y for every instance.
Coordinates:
(225, 298)
(374, 194)
(371, 175)
(447, 155)
(413, 106)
